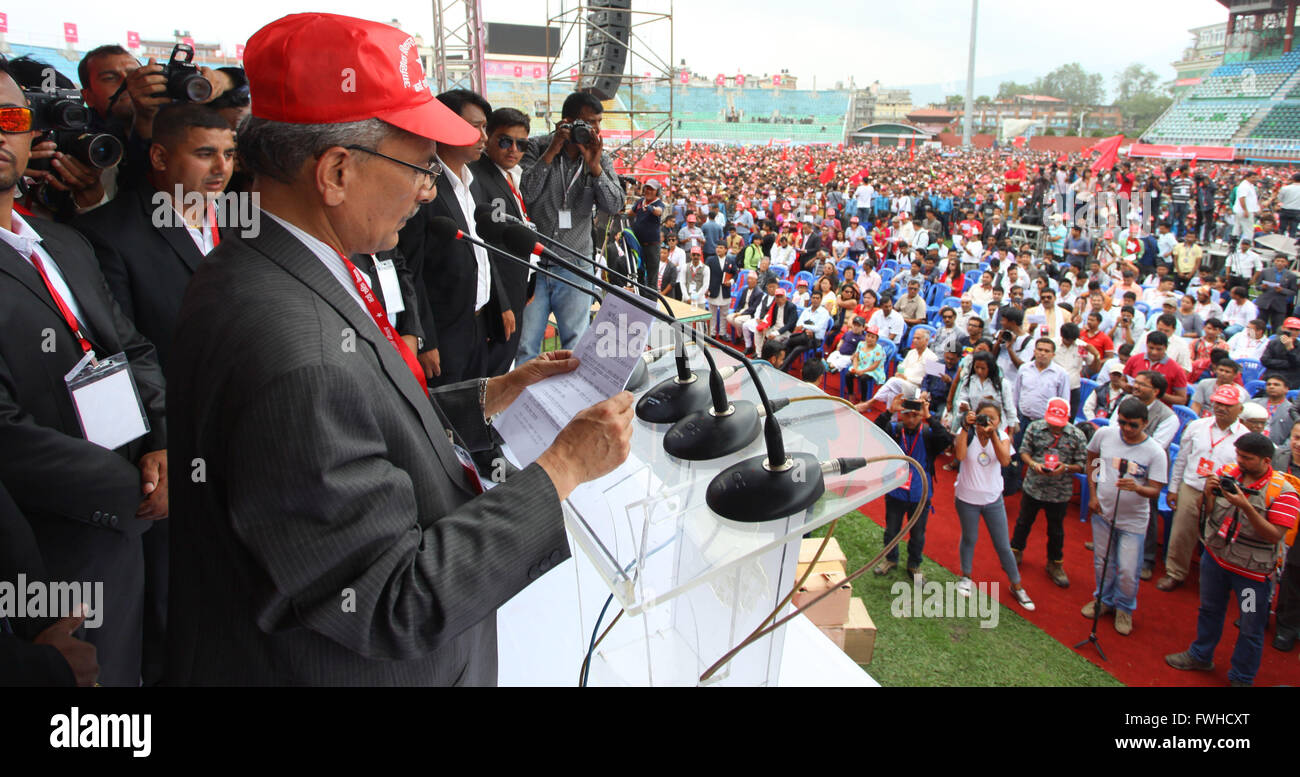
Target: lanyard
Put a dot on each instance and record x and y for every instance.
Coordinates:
(910, 448)
(68, 316)
(510, 182)
(381, 320)
(212, 226)
(1213, 443)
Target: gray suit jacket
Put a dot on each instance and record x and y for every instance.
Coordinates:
(324, 531)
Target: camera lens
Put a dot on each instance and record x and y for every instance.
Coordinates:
(197, 88)
(66, 114)
(101, 151)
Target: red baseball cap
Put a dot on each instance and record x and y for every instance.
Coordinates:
(1291, 323)
(1227, 395)
(1058, 412)
(320, 68)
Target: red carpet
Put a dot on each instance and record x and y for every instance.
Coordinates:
(1164, 622)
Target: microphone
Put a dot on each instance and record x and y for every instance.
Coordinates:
(760, 488)
(670, 401)
(707, 433)
(1123, 467)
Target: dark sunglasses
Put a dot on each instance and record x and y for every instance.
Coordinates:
(504, 142)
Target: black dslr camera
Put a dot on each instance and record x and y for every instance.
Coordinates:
(184, 81)
(579, 131)
(63, 117)
(1229, 485)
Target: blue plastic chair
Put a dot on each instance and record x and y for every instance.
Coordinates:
(781, 272)
(972, 279)
(1251, 369)
(1185, 416)
(804, 275)
(1253, 387)
(1292, 394)
(841, 264)
(1086, 387)
(788, 286)
(886, 276)
(889, 264)
(937, 291)
(1142, 306)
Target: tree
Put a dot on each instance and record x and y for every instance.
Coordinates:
(954, 101)
(1072, 133)
(1011, 89)
(983, 99)
(1142, 110)
(1050, 133)
(1134, 80)
(1072, 84)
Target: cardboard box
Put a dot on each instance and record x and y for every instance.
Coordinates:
(834, 609)
(808, 549)
(835, 633)
(859, 632)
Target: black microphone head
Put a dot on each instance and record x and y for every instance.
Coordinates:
(518, 240)
(486, 224)
(444, 230)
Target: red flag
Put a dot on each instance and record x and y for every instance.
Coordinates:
(856, 179)
(864, 172)
(1062, 159)
(784, 154)
(793, 169)
(828, 174)
(1191, 164)
(769, 142)
(1109, 149)
(1018, 141)
(911, 153)
(839, 147)
(688, 145)
(809, 168)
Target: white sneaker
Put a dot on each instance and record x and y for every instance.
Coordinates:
(964, 586)
(1023, 597)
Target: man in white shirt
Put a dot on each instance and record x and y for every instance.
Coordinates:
(1250, 342)
(1206, 445)
(888, 321)
(1178, 349)
(783, 253)
(1166, 242)
(908, 379)
(1288, 207)
(1046, 319)
(1206, 307)
(864, 194)
(1242, 264)
(982, 294)
(1239, 311)
(1246, 207)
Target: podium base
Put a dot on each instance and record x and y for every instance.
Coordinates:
(702, 436)
(671, 401)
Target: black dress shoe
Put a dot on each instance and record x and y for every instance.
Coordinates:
(1283, 642)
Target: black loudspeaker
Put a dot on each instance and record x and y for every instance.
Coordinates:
(605, 54)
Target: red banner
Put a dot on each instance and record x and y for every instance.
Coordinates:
(239, 51)
(188, 41)
(720, 80)
(828, 174)
(810, 168)
(69, 32)
(740, 79)
(4, 22)
(132, 39)
(776, 80)
(1208, 153)
(684, 77)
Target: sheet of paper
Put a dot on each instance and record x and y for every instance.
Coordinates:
(607, 352)
(934, 367)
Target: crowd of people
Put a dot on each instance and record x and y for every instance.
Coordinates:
(895, 268)
(1144, 312)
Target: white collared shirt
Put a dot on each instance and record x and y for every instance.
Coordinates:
(328, 257)
(1203, 439)
(26, 241)
(483, 288)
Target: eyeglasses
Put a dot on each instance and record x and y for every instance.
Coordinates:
(431, 173)
(505, 142)
(15, 119)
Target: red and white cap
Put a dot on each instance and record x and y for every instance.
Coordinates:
(320, 68)
(1226, 395)
(1291, 323)
(1058, 412)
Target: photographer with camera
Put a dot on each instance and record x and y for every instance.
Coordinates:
(563, 188)
(921, 436)
(1248, 509)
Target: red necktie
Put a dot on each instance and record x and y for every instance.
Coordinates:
(381, 320)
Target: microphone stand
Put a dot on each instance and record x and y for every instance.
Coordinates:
(1105, 567)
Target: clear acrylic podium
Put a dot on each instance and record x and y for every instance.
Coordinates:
(693, 585)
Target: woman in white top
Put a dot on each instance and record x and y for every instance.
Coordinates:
(870, 278)
(840, 247)
(983, 383)
(983, 449)
(1083, 190)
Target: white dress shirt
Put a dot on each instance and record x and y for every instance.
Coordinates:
(1203, 439)
(483, 288)
(328, 257)
(25, 241)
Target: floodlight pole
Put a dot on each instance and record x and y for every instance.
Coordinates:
(970, 79)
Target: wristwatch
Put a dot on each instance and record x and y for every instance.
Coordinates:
(419, 344)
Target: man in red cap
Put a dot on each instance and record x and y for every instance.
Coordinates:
(1206, 445)
(1053, 451)
(335, 531)
(1281, 357)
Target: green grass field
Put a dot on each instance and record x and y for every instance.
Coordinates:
(952, 651)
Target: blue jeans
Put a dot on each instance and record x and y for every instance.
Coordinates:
(1232, 330)
(571, 307)
(1120, 588)
(995, 518)
(1216, 584)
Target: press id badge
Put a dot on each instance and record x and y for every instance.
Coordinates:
(1204, 467)
(106, 400)
(388, 284)
(566, 219)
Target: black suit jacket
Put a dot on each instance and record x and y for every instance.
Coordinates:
(1274, 299)
(334, 539)
(146, 266)
(446, 279)
(79, 498)
(490, 185)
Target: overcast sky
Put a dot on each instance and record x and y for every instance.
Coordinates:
(897, 43)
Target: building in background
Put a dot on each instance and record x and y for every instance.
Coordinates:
(1199, 59)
